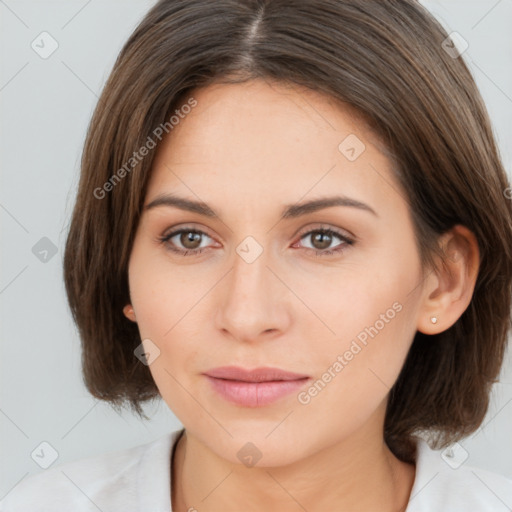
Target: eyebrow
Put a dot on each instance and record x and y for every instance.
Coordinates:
(289, 211)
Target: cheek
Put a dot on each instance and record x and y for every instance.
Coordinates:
(368, 324)
(354, 374)
(167, 314)
(161, 294)
(355, 302)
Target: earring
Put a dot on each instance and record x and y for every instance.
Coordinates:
(433, 319)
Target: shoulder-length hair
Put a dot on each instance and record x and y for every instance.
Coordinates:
(392, 62)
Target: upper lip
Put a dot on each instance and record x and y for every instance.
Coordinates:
(262, 374)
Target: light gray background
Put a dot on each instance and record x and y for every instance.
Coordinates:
(46, 106)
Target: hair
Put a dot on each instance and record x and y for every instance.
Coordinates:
(386, 61)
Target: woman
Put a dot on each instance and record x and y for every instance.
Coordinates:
(292, 224)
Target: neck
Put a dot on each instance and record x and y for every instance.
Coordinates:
(356, 473)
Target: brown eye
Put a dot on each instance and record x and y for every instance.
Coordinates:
(190, 239)
(322, 238)
(186, 241)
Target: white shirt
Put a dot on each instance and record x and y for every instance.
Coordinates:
(138, 479)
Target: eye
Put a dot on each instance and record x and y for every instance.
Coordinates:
(322, 237)
(188, 241)
(188, 238)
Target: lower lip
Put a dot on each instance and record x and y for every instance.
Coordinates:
(255, 394)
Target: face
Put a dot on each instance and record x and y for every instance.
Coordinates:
(329, 293)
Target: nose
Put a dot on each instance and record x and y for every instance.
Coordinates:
(253, 303)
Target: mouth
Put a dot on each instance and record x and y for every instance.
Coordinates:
(254, 388)
(262, 374)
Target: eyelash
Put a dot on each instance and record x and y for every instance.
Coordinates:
(328, 231)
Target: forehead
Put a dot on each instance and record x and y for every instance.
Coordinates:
(262, 139)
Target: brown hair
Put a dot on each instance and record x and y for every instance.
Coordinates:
(384, 59)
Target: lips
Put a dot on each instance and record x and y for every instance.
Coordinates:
(262, 374)
(254, 388)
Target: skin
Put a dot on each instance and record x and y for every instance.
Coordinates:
(247, 150)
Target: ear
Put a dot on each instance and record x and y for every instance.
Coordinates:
(448, 289)
(129, 313)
